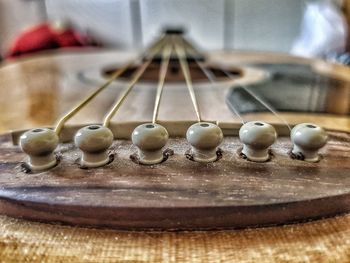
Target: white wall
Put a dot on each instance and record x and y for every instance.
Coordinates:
(265, 24)
(238, 24)
(109, 20)
(16, 15)
(203, 19)
(212, 24)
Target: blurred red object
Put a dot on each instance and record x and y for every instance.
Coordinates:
(47, 36)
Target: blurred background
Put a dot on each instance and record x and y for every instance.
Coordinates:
(111, 30)
(309, 28)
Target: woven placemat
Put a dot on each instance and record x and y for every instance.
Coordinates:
(318, 241)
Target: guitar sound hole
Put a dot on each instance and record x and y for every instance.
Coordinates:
(150, 126)
(174, 73)
(258, 124)
(204, 125)
(38, 130)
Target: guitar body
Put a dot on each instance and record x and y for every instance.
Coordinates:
(179, 193)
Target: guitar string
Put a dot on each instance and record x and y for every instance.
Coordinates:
(166, 54)
(131, 84)
(182, 57)
(211, 77)
(260, 100)
(63, 120)
(251, 93)
(80, 105)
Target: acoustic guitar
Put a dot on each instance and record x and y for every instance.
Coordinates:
(174, 138)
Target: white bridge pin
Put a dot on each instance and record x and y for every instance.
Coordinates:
(150, 138)
(257, 137)
(39, 144)
(94, 141)
(204, 138)
(308, 138)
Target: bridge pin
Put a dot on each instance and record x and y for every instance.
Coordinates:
(257, 137)
(39, 144)
(94, 141)
(204, 138)
(308, 138)
(150, 138)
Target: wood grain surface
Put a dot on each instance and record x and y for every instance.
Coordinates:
(179, 193)
(173, 194)
(36, 91)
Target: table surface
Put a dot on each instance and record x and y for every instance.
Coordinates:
(318, 241)
(326, 240)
